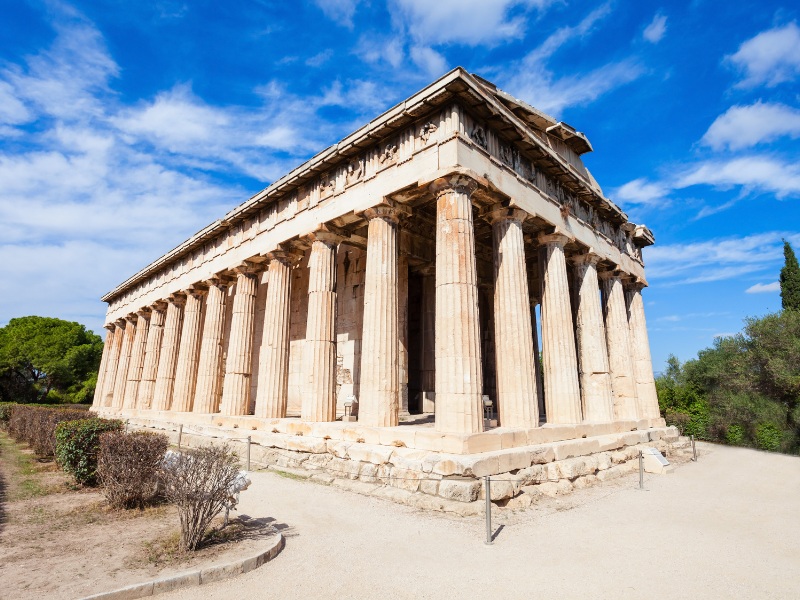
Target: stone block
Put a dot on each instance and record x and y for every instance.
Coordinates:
(482, 442)
(338, 449)
(477, 465)
(394, 494)
(361, 435)
(576, 467)
(512, 460)
(423, 502)
(428, 486)
(549, 488)
(619, 457)
(570, 448)
(342, 468)
(306, 444)
(369, 473)
(501, 488)
(514, 438)
(323, 478)
(408, 458)
(609, 442)
(655, 434)
(377, 455)
(613, 473)
(460, 489)
(317, 461)
(520, 502)
(585, 482)
(358, 487)
(397, 437)
(405, 479)
(295, 427)
(531, 475)
(542, 454)
(603, 460)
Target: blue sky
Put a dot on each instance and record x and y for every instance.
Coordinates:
(127, 126)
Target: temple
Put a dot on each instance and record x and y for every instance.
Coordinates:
(391, 292)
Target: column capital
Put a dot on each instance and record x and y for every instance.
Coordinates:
(197, 290)
(110, 326)
(131, 318)
(144, 311)
(219, 280)
(177, 298)
(286, 256)
(389, 210)
(557, 238)
(159, 305)
(612, 273)
(247, 268)
(327, 234)
(455, 182)
(120, 323)
(635, 283)
(587, 258)
(497, 212)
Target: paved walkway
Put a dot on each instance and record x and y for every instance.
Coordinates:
(727, 526)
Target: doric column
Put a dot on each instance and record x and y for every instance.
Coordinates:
(379, 402)
(428, 379)
(561, 390)
(188, 353)
(459, 378)
(238, 365)
(208, 390)
(640, 346)
(517, 397)
(97, 401)
(273, 360)
(623, 387)
(596, 401)
(319, 349)
(165, 379)
(121, 378)
(537, 362)
(137, 358)
(113, 363)
(152, 354)
(402, 331)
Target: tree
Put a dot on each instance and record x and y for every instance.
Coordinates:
(790, 279)
(44, 360)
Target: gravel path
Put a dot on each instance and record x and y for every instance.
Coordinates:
(725, 527)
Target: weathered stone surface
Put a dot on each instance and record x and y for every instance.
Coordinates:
(460, 490)
(370, 453)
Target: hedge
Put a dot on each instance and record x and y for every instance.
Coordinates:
(77, 446)
(36, 425)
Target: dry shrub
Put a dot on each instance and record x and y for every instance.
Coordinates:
(37, 426)
(128, 465)
(199, 483)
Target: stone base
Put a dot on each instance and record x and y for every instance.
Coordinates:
(419, 460)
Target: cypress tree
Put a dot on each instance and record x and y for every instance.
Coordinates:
(790, 279)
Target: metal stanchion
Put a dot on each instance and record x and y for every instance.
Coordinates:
(641, 470)
(180, 435)
(694, 450)
(248, 452)
(488, 541)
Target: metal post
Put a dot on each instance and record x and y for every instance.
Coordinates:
(248, 452)
(488, 541)
(180, 435)
(694, 450)
(641, 470)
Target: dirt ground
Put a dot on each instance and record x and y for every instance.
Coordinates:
(57, 542)
(727, 526)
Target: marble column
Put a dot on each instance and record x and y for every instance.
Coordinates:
(238, 365)
(319, 349)
(402, 331)
(152, 354)
(623, 386)
(273, 361)
(208, 390)
(561, 389)
(113, 363)
(137, 358)
(97, 401)
(428, 379)
(640, 346)
(121, 378)
(188, 352)
(596, 400)
(165, 378)
(517, 398)
(379, 402)
(459, 378)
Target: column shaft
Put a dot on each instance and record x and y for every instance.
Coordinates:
(459, 378)
(561, 389)
(97, 401)
(121, 378)
(165, 379)
(137, 358)
(595, 379)
(113, 365)
(428, 383)
(623, 386)
(642, 362)
(379, 401)
(152, 354)
(319, 349)
(236, 386)
(514, 353)
(186, 375)
(208, 389)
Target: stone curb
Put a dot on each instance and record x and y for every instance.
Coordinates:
(194, 578)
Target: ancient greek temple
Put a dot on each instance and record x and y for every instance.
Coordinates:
(452, 258)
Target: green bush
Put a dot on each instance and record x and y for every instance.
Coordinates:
(5, 414)
(735, 435)
(769, 437)
(128, 466)
(77, 446)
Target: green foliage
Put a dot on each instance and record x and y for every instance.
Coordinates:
(769, 437)
(77, 446)
(48, 360)
(735, 435)
(790, 279)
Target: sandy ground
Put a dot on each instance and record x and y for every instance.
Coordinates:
(727, 526)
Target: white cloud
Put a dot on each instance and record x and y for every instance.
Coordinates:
(339, 11)
(745, 126)
(641, 191)
(376, 50)
(770, 58)
(428, 60)
(753, 173)
(764, 288)
(656, 29)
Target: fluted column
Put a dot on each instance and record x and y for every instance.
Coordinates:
(188, 353)
(596, 400)
(319, 349)
(137, 358)
(165, 379)
(238, 365)
(623, 386)
(428, 379)
(152, 354)
(273, 361)
(121, 378)
(459, 377)
(208, 389)
(561, 389)
(101, 372)
(379, 401)
(517, 397)
(640, 346)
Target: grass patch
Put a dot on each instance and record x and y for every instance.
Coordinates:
(288, 475)
(25, 475)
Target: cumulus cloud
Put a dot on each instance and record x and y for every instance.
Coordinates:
(770, 58)
(641, 191)
(753, 173)
(339, 11)
(764, 288)
(656, 29)
(744, 126)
